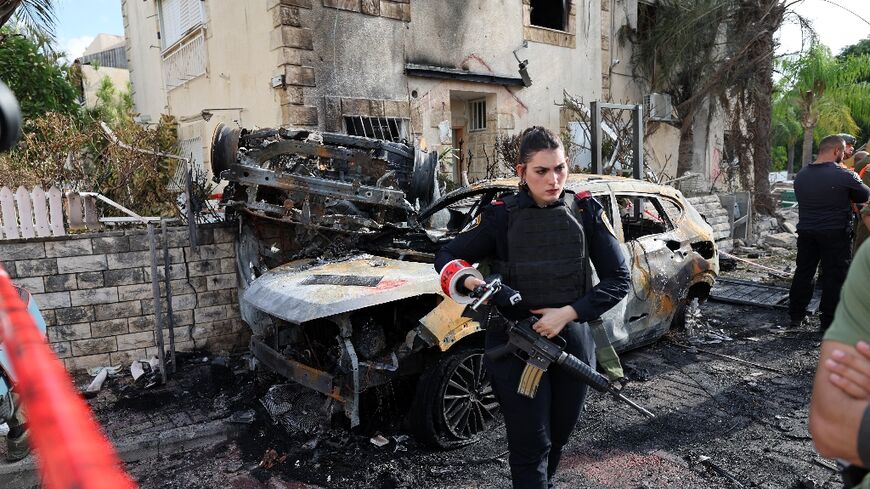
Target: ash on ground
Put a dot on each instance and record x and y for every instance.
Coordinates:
(731, 395)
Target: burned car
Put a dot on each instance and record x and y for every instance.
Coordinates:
(336, 239)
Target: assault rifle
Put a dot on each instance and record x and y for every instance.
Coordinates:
(539, 353)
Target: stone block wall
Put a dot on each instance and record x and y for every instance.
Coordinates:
(95, 293)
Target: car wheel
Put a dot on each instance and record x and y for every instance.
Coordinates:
(455, 403)
(687, 316)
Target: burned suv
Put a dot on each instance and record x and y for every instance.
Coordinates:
(336, 238)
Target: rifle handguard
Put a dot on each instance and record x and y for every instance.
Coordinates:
(583, 372)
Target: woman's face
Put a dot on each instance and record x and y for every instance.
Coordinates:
(545, 173)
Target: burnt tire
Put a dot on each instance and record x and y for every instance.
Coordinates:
(454, 403)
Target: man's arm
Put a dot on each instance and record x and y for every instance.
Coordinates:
(835, 416)
(858, 192)
(866, 219)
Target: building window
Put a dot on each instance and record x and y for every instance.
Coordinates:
(477, 115)
(177, 18)
(384, 128)
(551, 14)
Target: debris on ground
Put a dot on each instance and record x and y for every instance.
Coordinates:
(271, 458)
(146, 373)
(743, 403)
(243, 417)
(94, 387)
(782, 240)
(100, 374)
(379, 441)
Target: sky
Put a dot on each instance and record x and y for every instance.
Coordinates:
(836, 27)
(79, 21)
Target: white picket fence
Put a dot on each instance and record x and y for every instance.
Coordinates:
(37, 213)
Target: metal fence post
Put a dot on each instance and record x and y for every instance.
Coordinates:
(637, 141)
(158, 309)
(595, 129)
(170, 319)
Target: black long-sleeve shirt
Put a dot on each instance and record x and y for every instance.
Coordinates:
(825, 192)
(489, 239)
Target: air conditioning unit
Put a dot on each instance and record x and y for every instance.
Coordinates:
(658, 106)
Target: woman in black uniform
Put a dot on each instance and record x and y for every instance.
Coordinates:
(537, 240)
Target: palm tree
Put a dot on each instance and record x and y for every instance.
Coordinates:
(828, 93)
(35, 15)
(786, 130)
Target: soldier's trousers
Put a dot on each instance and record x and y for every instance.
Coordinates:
(538, 428)
(833, 249)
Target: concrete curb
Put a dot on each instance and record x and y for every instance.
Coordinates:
(22, 474)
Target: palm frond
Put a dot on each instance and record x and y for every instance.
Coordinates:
(37, 16)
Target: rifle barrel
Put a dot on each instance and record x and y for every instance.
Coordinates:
(633, 404)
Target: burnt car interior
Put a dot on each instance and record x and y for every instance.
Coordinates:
(642, 216)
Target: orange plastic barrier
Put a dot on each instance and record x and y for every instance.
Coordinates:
(70, 448)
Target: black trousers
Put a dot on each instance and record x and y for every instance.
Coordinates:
(538, 428)
(833, 249)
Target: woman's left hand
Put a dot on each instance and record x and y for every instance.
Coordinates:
(553, 320)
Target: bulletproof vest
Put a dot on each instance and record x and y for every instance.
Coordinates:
(546, 254)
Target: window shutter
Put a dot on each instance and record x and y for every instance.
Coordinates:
(179, 17)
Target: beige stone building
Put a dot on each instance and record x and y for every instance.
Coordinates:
(105, 57)
(440, 73)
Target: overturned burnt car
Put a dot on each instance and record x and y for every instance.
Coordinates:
(336, 238)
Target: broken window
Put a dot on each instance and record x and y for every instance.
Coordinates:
(177, 18)
(551, 14)
(671, 208)
(477, 111)
(641, 216)
(384, 128)
(646, 19)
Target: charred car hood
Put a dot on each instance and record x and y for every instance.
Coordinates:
(299, 293)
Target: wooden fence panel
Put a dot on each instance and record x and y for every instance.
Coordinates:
(25, 213)
(75, 218)
(40, 212)
(37, 213)
(55, 209)
(10, 215)
(92, 216)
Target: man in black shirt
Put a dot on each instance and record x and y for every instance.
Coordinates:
(825, 191)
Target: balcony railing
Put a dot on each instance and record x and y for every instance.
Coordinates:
(186, 62)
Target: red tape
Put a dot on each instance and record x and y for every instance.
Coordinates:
(70, 448)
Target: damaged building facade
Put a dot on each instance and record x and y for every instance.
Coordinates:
(449, 74)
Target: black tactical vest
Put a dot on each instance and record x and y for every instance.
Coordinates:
(546, 254)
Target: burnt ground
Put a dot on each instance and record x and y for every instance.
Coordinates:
(750, 420)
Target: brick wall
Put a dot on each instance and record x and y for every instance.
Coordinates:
(94, 291)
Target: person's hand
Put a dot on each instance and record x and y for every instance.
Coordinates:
(553, 320)
(850, 372)
(471, 282)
